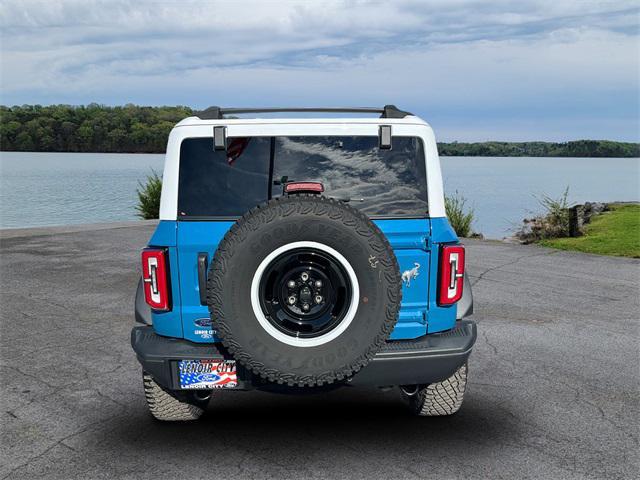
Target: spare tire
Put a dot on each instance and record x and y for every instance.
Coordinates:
(304, 290)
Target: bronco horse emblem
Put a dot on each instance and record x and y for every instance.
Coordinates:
(409, 275)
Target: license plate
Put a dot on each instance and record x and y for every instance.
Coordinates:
(207, 374)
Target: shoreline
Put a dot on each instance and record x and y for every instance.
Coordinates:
(440, 155)
(33, 232)
(6, 233)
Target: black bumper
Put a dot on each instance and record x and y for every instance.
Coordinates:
(429, 359)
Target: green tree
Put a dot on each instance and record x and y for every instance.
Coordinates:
(132, 128)
(25, 141)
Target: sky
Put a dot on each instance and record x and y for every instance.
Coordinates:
(475, 70)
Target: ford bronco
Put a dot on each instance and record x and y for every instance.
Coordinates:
(302, 254)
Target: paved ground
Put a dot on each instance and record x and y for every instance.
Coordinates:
(554, 387)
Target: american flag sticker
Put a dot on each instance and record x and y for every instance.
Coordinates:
(207, 374)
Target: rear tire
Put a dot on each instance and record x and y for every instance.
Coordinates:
(438, 399)
(165, 405)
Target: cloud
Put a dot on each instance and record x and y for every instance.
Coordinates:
(457, 62)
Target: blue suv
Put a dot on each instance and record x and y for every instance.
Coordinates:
(302, 254)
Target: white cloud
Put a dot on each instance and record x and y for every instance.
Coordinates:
(490, 59)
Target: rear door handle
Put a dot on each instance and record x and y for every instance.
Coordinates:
(203, 263)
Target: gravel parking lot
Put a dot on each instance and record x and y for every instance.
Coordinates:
(554, 379)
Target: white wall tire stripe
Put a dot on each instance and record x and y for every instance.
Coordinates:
(305, 342)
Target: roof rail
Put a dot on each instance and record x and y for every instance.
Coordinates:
(218, 113)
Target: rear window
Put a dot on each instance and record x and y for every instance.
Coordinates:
(221, 184)
(381, 183)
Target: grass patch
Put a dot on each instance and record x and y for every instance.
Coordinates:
(616, 232)
(459, 216)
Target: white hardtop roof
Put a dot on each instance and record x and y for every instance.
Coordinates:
(403, 124)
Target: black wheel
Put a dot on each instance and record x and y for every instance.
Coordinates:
(304, 290)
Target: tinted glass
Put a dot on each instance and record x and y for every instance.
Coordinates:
(219, 183)
(378, 182)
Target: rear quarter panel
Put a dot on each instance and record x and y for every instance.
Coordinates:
(169, 323)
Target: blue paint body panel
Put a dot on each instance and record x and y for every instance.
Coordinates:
(165, 234)
(195, 238)
(440, 318)
(409, 240)
(169, 323)
(442, 232)
(414, 241)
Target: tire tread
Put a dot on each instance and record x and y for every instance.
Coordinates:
(166, 407)
(441, 398)
(307, 204)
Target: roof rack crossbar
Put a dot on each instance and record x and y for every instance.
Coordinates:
(217, 113)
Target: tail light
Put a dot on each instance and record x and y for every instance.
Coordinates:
(155, 276)
(303, 187)
(451, 274)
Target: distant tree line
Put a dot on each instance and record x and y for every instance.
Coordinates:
(136, 129)
(577, 148)
(91, 128)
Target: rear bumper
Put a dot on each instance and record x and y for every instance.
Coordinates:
(429, 359)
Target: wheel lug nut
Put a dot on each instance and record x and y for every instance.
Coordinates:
(305, 307)
(292, 300)
(318, 284)
(291, 284)
(304, 276)
(318, 299)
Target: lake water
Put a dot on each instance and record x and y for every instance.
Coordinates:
(503, 190)
(39, 189)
